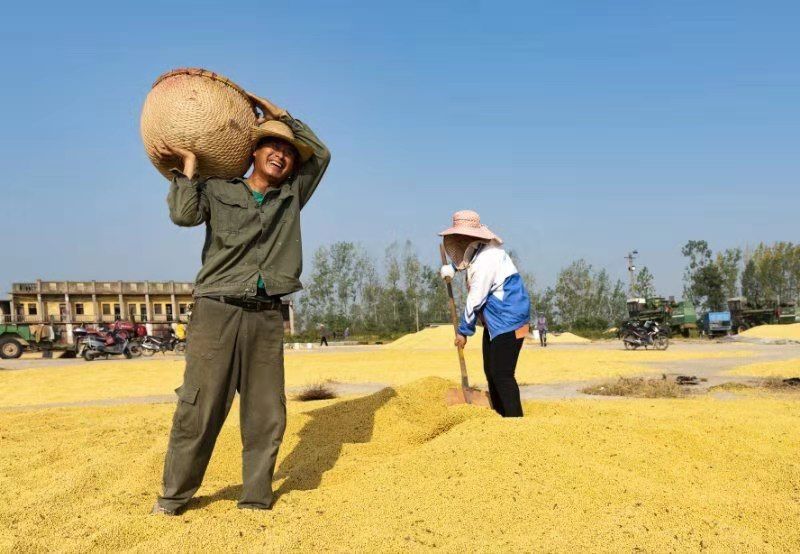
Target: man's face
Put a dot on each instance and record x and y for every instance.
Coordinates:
(275, 159)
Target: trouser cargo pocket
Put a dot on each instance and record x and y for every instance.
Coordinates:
(187, 416)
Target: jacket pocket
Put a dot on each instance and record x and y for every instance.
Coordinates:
(187, 417)
(205, 330)
(229, 212)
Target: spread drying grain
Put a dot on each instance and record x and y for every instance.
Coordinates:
(398, 470)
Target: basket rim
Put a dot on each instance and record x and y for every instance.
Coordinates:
(200, 72)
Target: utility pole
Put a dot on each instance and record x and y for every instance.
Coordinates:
(631, 270)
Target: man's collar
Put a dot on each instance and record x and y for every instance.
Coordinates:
(284, 190)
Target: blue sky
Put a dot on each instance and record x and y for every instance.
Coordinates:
(577, 129)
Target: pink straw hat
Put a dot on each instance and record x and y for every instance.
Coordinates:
(468, 223)
(465, 230)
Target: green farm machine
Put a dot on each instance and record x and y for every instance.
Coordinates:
(745, 315)
(678, 317)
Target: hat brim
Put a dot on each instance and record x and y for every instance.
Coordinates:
(482, 232)
(303, 149)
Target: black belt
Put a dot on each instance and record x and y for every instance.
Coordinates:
(251, 304)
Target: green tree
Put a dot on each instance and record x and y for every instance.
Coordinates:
(587, 298)
(729, 263)
(703, 279)
(773, 273)
(643, 286)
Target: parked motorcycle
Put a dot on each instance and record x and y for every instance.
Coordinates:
(94, 346)
(151, 344)
(635, 334)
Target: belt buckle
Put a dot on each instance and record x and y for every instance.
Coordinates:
(251, 305)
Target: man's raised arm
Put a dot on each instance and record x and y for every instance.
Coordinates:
(311, 172)
(187, 202)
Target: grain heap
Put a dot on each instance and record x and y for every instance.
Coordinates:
(775, 332)
(441, 336)
(434, 337)
(396, 470)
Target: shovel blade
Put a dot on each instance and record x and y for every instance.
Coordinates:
(471, 396)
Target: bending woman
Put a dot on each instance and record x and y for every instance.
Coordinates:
(497, 297)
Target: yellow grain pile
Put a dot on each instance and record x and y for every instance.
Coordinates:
(432, 338)
(441, 336)
(397, 470)
(777, 332)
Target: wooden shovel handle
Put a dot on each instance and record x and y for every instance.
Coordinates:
(454, 317)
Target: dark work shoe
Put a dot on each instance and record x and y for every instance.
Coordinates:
(159, 510)
(259, 507)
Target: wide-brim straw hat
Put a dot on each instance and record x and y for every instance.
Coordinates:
(280, 130)
(466, 229)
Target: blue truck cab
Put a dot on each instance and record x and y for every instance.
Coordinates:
(716, 323)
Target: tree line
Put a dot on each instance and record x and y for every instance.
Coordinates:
(349, 289)
(766, 275)
(399, 293)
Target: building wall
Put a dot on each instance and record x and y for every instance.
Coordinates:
(41, 302)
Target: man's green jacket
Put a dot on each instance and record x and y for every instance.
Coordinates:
(245, 241)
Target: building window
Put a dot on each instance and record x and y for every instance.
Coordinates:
(131, 309)
(79, 309)
(183, 308)
(117, 311)
(157, 309)
(106, 309)
(169, 312)
(33, 309)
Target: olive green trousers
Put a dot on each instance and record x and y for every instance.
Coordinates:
(228, 349)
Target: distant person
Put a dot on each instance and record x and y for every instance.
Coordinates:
(497, 296)
(323, 336)
(541, 326)
(346, 333)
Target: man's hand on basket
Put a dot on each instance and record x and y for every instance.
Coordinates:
(461, 341)
(268, 109)
(187, 157)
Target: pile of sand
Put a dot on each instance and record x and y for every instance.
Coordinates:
(775, 332)
(397, 470)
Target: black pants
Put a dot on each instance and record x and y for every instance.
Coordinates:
(323, 340)
(499, 364)
(543, 337)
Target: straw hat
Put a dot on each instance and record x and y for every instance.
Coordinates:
(466, 230)
(280, 130)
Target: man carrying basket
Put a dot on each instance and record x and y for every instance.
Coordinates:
(251, 258)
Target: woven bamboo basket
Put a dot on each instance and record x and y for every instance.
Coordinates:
(203, 112)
